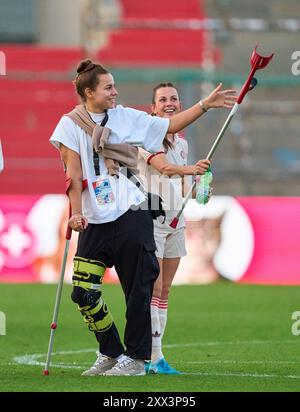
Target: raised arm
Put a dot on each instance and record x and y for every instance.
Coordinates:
(72, 163)
(217, 99)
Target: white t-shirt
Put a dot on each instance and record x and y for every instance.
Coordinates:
(170, 189)
(117, 194)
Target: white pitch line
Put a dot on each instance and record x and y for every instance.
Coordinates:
(254, 362)
(246, 375)
(220, 343)
(34, 359)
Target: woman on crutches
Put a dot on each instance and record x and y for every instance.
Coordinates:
(107, 210)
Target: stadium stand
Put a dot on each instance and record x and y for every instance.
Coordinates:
(254, 159)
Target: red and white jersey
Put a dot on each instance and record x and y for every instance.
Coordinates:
(170, 189)
(178, 155)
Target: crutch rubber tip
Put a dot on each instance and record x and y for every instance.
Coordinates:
(53, 325)
(46, 372)
(174, 223)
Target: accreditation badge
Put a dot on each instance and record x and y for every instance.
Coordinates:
(103, 191)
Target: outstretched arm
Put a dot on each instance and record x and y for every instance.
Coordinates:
(72, 163)
(217, 99)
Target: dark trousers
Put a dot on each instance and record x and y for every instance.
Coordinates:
(129, 245)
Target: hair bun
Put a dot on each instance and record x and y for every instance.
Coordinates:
(83, 65)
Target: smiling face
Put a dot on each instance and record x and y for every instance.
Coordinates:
(167, 102)
(104, 96)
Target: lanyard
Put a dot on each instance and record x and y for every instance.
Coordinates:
(95, 154)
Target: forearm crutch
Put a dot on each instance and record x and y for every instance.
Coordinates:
(53, 325)
(257, 62)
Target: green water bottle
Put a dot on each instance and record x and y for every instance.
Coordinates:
(203, 187)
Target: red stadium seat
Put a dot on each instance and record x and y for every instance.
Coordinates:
(168, 9)
(28, 58)
(29, 113)
(164, 46)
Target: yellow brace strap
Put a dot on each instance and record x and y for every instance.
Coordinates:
(88, 273)
(83, 268)
(102, 324)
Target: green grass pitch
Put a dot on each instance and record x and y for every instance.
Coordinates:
(223, 336)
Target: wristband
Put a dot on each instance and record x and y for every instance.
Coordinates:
(203, 107)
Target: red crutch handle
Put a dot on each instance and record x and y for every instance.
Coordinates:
(257, 62)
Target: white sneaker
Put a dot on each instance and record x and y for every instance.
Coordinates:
(127, 366)
(102, 364)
